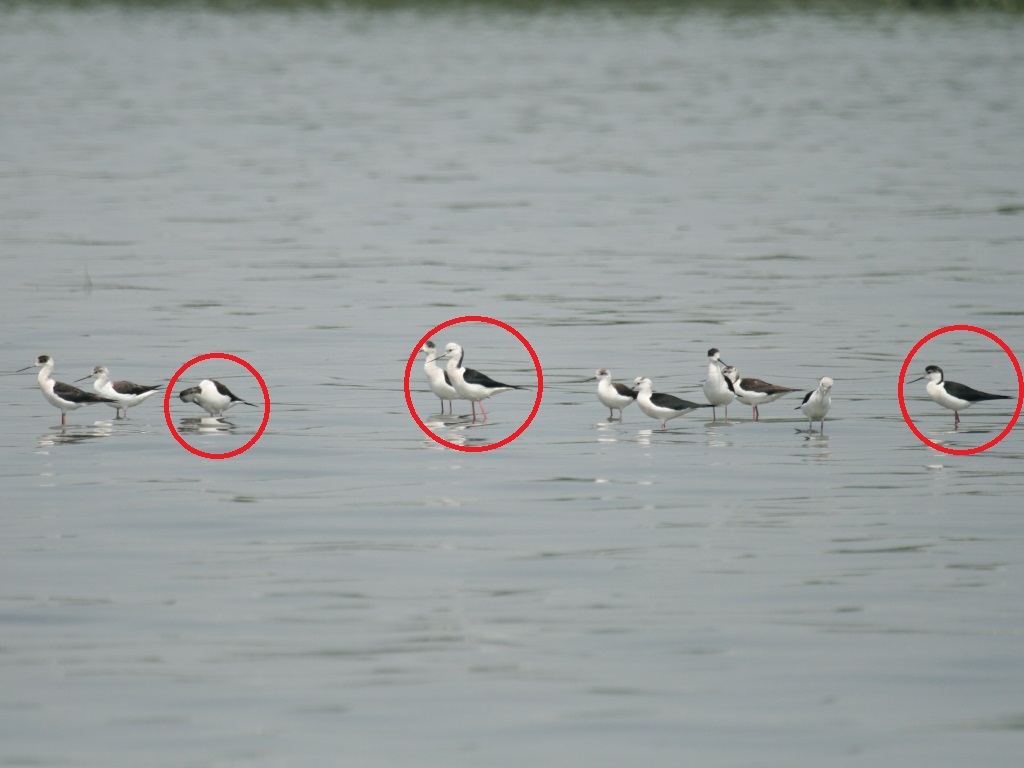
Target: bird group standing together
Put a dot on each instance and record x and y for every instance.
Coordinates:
(120, 395)
(210, 395)
(455, 381)
(722, 385)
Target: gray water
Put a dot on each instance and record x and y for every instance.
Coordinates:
(313, 192)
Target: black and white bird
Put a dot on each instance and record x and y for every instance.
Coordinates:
(212, 396)
(659, 405)
(613, 395)
(437, 378)
(125, 394)
(716, 388)
(753, 392)
(67, 397)
(950, 394)
(816, 403)
(469, 383)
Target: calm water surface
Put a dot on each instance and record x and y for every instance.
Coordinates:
(313, 192)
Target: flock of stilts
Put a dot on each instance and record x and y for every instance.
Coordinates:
(210, 395)
(455, 381)
(722, 386)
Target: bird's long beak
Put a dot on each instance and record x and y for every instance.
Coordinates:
(917, 379)
(26, 368)
(83, 378)
(439, 357)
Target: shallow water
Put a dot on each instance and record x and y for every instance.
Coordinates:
(313, 192)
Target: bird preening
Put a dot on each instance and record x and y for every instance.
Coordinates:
(212, 396)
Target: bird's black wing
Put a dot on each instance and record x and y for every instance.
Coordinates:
(756, 385)
(481, 379)
(663, 400)
(128, 388)
(228, 393)
(625, 391)
(969, 393)
(75, 395)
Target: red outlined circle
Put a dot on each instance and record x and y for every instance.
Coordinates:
(474, 319)
(1020, 390)
(216, 356)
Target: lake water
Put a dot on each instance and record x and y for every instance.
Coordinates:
(313, 192)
